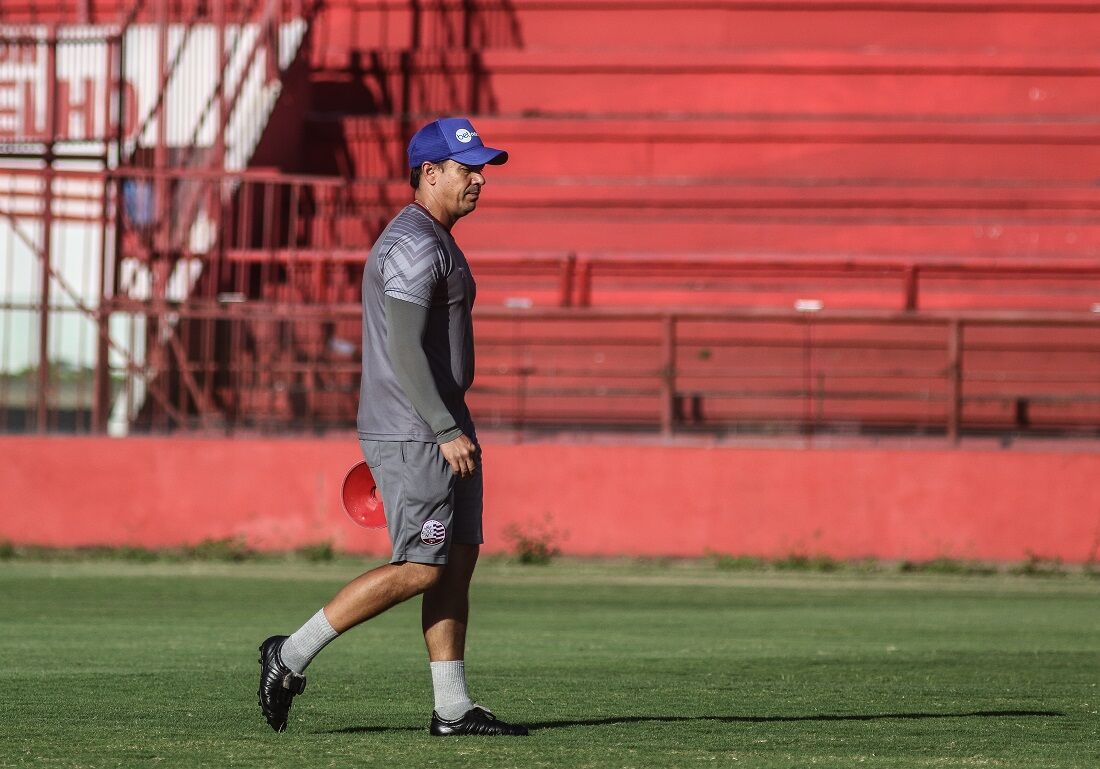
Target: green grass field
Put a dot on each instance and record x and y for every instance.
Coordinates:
(614, 664)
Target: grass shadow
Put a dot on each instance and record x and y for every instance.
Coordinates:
(616, 720)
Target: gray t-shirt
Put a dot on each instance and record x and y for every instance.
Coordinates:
(416, 260)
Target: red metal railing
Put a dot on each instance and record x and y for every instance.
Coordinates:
(53, 122)
(564, 279)
(274, 366)
(250, 52)
(258, 329)
(78, 108)
(641, 278)
(726, 370)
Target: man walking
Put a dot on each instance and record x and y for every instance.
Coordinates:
(416, 434)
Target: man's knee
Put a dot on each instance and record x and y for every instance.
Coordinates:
(423, 576)
(463, 556)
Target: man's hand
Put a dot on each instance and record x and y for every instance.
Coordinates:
(462, 455)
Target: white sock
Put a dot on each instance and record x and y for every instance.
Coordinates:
(299, 649)
(449, 682)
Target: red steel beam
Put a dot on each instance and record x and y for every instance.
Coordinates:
(954, 376)
(42, 407)
(267, 309)
(668, 374)
(910, 271)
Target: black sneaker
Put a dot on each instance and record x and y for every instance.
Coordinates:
(478, 720)
(278, 684)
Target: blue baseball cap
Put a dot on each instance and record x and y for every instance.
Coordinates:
(452, 138)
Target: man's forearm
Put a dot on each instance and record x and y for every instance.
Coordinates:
(406, 322)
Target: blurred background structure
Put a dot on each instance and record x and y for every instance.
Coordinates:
(720, 218)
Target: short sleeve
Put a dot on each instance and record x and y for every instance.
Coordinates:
(412, 268)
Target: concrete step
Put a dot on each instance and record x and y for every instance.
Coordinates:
(855, 199)
(801, 83)
(837, 148)
(797, 234)
(111, 12)
(709, 216)
(716, 232)
(526, 279)
(343, 26)
(703, 25)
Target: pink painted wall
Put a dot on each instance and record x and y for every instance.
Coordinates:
(599, 499)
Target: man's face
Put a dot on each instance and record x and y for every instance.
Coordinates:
(459, 186)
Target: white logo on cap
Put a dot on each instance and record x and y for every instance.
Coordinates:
(465, 136)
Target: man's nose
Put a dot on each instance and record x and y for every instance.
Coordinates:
(477, 178)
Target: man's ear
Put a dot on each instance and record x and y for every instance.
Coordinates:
(428, 171)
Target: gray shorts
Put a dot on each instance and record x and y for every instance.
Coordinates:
(427, 505)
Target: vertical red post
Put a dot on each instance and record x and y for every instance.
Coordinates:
(43, 400)
(668, 375)
(101, 388)
(808, 375)
(120, 96)
(212, 268)
(220, 67)
(268, 42)
(115, 184)
(292, 223)
(912, 284)
(163, 222)
(567, 269)
(954, 378)
(583, 290)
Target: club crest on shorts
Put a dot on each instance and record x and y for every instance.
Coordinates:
(433, 533)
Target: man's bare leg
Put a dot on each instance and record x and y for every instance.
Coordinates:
(446, 608)
(379, 589)
(445, 614)
(366, 596)
(284, 658)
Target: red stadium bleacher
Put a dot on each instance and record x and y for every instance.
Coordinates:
(917, 163)
(660, 25)
(785, 148)
(886, 156)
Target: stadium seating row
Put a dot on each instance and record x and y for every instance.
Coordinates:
(712, 371)
(538, 279)
(659, 25)
(846, 149)
(906, 158)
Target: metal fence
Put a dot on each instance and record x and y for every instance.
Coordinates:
(91, 118)
(227, 366)
(150, 285)
(235, 307)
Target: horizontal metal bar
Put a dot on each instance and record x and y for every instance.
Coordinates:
(51, 37)
(287, 310)
(195, 174)
(481, 260)
(6, 153)
(582, 392)
(637, 264)
(945, 6)
(894, 317)
(1034, 398)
